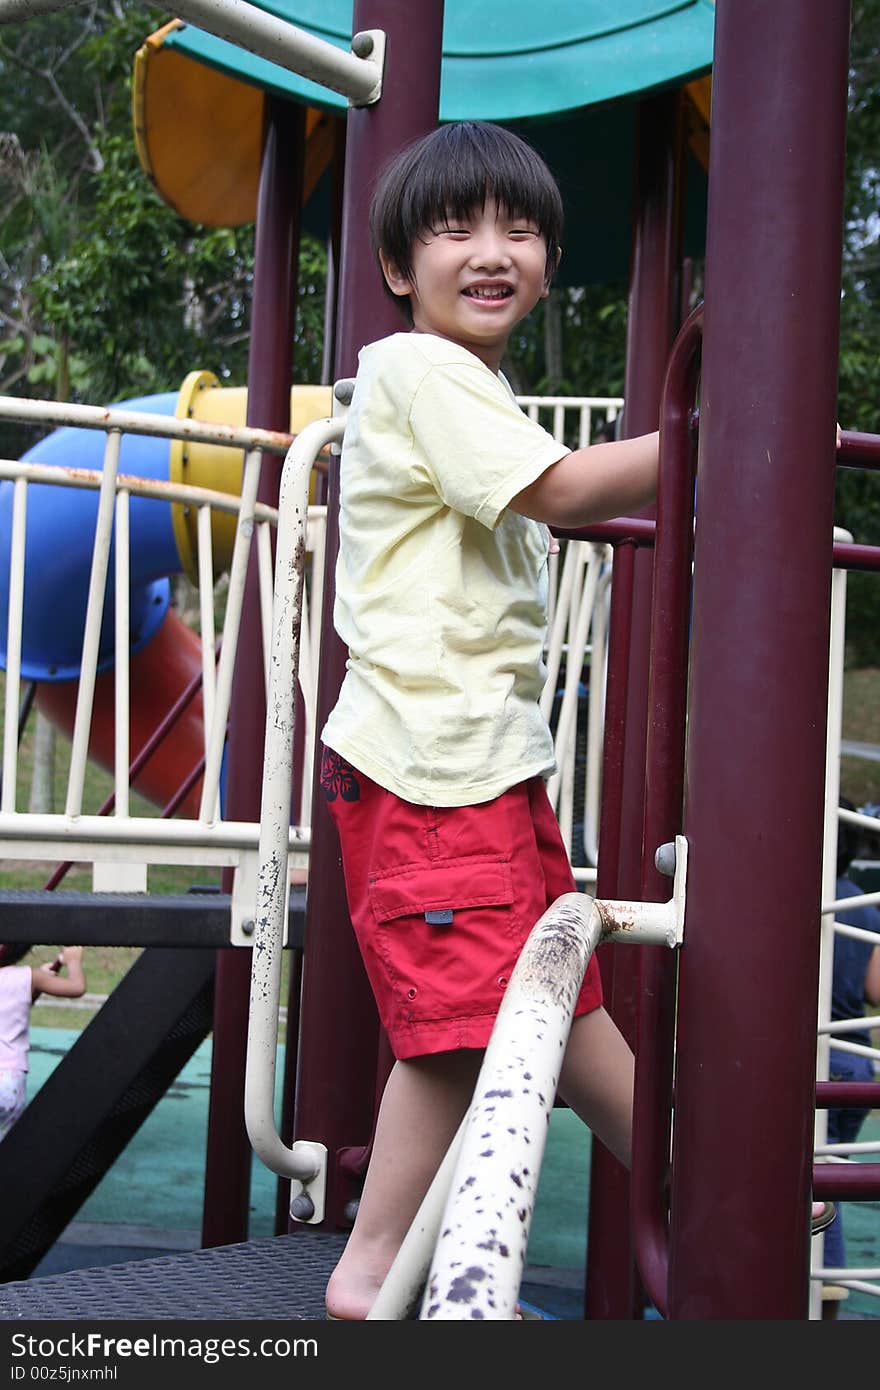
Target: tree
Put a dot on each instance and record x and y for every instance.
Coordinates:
(106, 293)
(572, 344)
(858, 490)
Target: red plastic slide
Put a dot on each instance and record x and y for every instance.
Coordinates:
(160, 672)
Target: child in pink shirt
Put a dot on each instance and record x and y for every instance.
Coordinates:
(20, 987)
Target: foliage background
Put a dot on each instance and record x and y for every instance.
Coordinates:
(106, 294)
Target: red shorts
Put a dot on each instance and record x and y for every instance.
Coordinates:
(442, 900)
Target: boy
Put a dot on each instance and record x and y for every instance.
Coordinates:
(436, 751)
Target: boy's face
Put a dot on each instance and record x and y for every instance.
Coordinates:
(474, 279)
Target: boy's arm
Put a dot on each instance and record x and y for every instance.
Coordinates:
(45, 979)
(598, 483)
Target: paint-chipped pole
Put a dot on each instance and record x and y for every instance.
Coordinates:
(483, 1231)
(304, 1163)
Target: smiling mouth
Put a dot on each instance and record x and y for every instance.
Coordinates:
(488, 293)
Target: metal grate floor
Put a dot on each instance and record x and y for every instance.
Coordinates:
(282, 1277)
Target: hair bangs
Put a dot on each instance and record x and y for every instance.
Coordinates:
(451, 173)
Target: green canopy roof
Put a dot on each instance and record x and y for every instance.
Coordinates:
(505, 60)
(566, 74)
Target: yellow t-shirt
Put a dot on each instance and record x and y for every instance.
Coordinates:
(441, 593)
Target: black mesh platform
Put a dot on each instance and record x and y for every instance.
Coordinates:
(282, 1277)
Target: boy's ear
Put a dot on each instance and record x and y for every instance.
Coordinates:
(395, 279)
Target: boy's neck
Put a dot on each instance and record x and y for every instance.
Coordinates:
(490, 359)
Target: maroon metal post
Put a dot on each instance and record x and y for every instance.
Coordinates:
(339, 1030)
(664, 791)
(613, 1289)
(748, 976)
(609, 1271)
(228, 1166)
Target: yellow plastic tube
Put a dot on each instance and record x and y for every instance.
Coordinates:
(214, 466)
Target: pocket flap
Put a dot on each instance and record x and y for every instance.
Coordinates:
(450, 883)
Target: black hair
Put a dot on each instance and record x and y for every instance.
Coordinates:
(849, 840)
(451, 172)
(11, 952)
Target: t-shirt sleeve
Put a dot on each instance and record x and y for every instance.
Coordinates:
(479, 447)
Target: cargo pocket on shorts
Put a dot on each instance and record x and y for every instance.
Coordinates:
(448, 936)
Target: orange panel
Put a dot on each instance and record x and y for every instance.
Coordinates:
(198, 134)
(698, 114)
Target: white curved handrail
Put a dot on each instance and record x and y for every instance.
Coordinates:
(303, 1161)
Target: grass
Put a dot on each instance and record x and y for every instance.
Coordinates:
(860, 777)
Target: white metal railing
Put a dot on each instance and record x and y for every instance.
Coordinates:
(860, 1279)
(580, 579)
(578, 630)
(840, 1153)
(122, 837)
(555, 414)
(304, 1162)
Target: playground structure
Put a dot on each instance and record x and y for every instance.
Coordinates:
(752, 720)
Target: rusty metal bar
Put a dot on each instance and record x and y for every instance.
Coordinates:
(96, 417)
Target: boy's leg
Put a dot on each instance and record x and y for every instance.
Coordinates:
(597, 1080)
(422, 1106)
